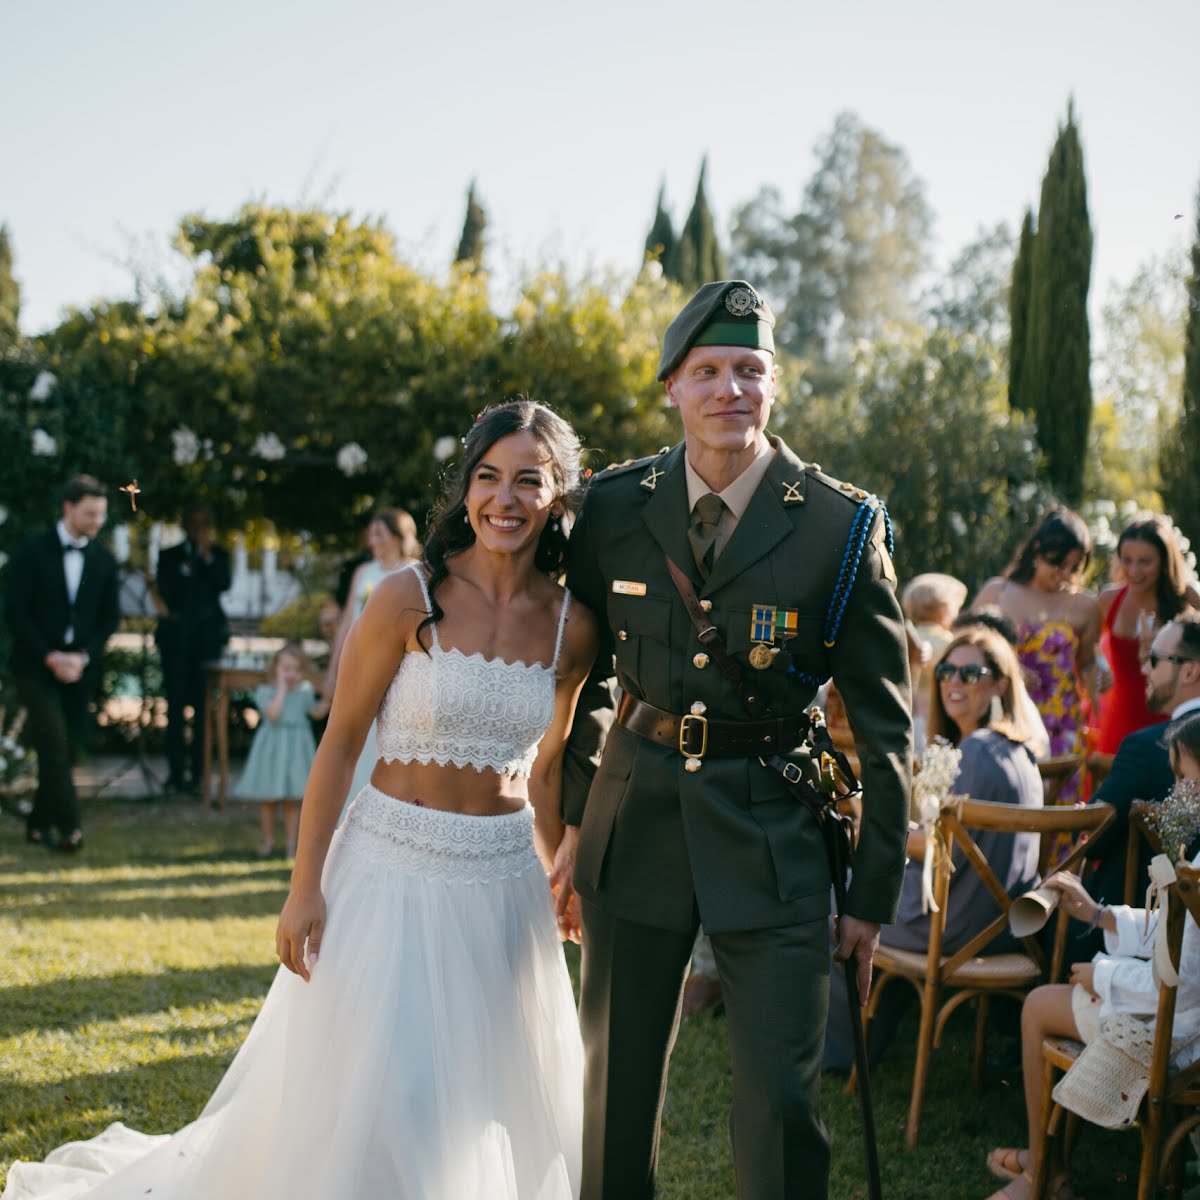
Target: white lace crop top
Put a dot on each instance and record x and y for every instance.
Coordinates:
(450, 707)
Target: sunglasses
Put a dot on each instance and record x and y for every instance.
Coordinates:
(1154, 658)
(970, 674)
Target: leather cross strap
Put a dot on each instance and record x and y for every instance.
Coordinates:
(698, 737)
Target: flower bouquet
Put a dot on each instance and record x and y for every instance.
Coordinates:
(931, 789)
(18, 765)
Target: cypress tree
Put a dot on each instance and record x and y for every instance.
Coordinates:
(1181, 454)
(10, 290)
(1018, 313)
(697, 256)
(1055, 379)
(470, 245)
(660, 241)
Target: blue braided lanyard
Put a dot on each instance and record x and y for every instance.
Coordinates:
(855, 545)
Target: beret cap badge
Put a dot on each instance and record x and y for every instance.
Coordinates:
(740, 301)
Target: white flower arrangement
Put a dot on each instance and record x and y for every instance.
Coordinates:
(931, 789)
(42, 444)
(351, 459)
(185, 446)
(268, 446)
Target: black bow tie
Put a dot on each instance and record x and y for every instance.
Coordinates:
(79, 546)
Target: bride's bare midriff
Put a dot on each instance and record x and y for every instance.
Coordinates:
(452, 789)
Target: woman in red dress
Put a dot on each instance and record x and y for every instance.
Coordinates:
(1154, 591)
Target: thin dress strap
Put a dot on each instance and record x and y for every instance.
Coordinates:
(415, 568)
(562, 624)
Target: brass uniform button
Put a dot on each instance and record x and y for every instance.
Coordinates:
(700, 661)
(699, 708)
(692, 765)
(706, 605)
(622, 635)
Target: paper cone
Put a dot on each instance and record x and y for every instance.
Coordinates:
(1032, 910)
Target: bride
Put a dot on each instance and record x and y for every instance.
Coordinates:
(420, 1040)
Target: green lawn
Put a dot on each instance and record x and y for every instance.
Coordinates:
(129, 976)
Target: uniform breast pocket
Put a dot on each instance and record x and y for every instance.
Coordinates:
(641, 628)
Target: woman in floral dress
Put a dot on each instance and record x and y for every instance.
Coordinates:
(1057, 623)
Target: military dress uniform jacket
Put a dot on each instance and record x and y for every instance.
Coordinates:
(658, 841)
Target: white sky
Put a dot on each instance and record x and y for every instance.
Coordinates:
(122, 116)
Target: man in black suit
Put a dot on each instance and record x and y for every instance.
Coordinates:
(1141, 769)
(61, 604)
(191, 578)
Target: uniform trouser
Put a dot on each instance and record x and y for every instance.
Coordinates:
(184, 684)
(775, 984)
(56, 720)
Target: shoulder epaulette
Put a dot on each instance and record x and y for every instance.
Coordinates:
(615, 470)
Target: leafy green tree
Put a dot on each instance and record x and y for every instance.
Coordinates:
(1181, 457)
(696, 256)
(972, 296)
(660, 241)
(845, 267)
(470, 244)
(1018, 315)
(1056, 375)
(10, 291)
(1141, 379)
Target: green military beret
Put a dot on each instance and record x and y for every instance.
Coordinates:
(727, 313)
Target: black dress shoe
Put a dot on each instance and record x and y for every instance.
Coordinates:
(39, 837)
(72, 843)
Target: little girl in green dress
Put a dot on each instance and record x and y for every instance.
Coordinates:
(282, 751)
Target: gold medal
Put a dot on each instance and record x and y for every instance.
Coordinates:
(762, 656)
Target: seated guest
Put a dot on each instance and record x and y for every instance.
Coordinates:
(1119, 980)
(972, 708)
(1027, 712)
(1141, 770)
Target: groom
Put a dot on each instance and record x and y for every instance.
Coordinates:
(682, 822)
(61, 605)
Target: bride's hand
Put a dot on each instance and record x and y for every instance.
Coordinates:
(301, 921)
(566, 903)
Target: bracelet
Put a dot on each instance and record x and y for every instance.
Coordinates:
(1101, 908)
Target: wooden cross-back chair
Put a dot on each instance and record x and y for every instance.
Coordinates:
(970, 973)
(1172, 1101)
(1056, 774)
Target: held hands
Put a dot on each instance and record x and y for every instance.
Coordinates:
(301, 921)
(566, 902)
(858, 940)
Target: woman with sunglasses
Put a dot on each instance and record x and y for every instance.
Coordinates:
(971, 707)
(1154, 591)
(1057, 623)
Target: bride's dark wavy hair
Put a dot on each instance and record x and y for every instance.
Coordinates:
(450, 532)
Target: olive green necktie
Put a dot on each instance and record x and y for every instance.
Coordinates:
(702, 534)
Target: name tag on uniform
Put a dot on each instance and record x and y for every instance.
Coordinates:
(626, 587)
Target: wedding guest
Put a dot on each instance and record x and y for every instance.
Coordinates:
(1155, 589)
(61, 605)
(281, 753)
(191, 577)
(1118, 980)
(931, 602)
(972, 708)
(1057, 623)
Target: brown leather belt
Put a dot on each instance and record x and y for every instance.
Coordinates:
(695, 736)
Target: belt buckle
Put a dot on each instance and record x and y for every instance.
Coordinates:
(792, 773)
(684, 728)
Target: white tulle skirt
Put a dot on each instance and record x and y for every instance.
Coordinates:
(434, 1055)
